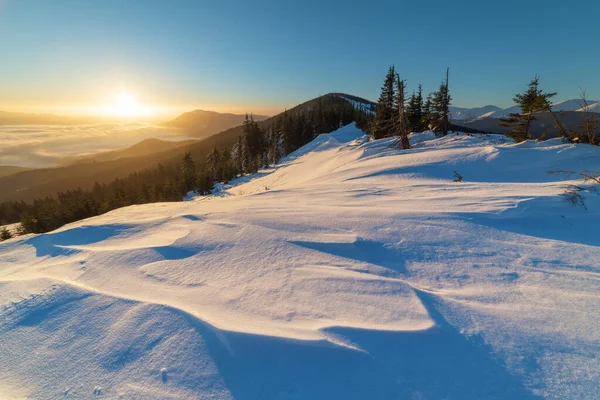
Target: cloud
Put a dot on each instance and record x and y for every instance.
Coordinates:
(40, 146)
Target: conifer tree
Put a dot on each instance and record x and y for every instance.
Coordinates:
(414, 111)
(532, 101)
(364, 119)
(204, 183)
(402, 124)
(5, 234)
(286, 133)
(253, 139)
(385, 116)
(188, 170)
(275, 151)
(236, 155)
(428, 118)
(213, 164)
(247, 160)
(441, 107)
(309, 129)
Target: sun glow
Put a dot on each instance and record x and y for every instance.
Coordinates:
(125, 105)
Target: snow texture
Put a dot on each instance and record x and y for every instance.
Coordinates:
(351, 270)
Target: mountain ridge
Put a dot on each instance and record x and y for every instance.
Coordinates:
(492, 111)
(203, 123)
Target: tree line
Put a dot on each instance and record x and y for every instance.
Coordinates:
(397, 115)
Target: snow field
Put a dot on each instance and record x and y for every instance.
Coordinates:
(350, 270)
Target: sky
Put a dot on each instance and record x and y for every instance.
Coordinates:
(79, 57)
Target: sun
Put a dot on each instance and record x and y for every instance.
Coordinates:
(125, 105)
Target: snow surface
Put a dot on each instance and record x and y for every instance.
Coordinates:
(358, 105)
(351, 270)
(569, 105)
(470, 114)
(595, 107)
(12, 228)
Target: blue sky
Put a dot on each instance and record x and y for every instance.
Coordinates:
(263, 56)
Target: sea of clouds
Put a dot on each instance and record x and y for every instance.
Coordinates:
(40, 146)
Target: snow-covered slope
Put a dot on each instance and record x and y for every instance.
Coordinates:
(359, 104)
(592, 107)
(471, 114)
(568, 105)
(352, 270)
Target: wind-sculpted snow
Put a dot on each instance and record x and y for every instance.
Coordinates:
(350, 270)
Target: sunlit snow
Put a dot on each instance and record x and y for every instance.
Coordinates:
(351, 270)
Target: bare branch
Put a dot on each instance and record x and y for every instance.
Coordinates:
(573, 194)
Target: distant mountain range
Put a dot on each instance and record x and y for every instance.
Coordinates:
(490, 111)
(197, 123)
(201, 123)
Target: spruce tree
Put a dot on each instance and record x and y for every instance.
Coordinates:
(414, 111)
(441, 107)
(385, 116)
(204, 183)
(427, 119)
(5, 234)
(188, 170)
(247, 161)
(213, 164)
(403, 124)
(253, 138)
(532, 101)
(236, 155)
(287, 133)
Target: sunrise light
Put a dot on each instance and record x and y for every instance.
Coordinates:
(125, 105)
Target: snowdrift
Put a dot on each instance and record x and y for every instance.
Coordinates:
(350, 270)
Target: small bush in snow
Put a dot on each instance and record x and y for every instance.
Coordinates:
(574, 193)
(5, 234)
(458, 177)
